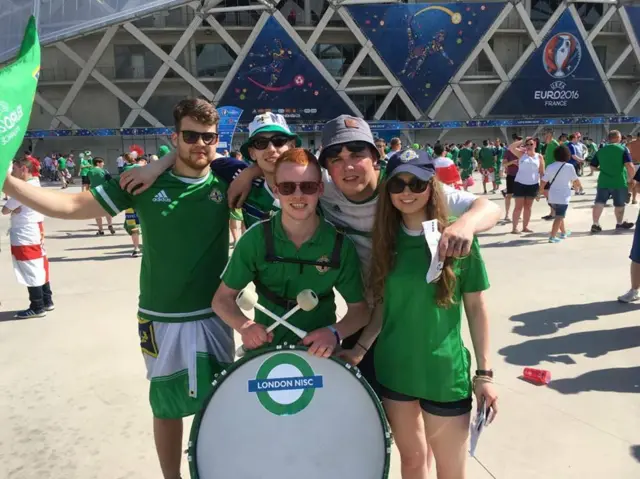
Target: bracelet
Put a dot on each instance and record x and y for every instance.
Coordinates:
(335, 333)
(358, 343)
(481, 379)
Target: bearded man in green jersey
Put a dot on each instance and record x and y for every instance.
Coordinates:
(184, 214)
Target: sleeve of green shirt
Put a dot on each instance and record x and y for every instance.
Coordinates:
(349, 283)
(113, 198)
(241, 268)
(473, 274)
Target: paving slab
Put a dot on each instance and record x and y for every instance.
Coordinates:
(73, 398)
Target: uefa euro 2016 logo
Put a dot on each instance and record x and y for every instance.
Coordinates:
(562, 55)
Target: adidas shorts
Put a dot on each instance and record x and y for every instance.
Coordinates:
(181, 361)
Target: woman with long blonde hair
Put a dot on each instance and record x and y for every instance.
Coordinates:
(420, 359)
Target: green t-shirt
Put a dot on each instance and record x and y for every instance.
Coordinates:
(466, 158)
(420, 351)
(487, 157)
(500, 153)
(548, 152)
(288, 279)
(613, 173)
(85, 166)
(97, 176)
(128, 166)
(592, 149)
(185, 223)
(454, 154)
(62, 164)
(259, 205)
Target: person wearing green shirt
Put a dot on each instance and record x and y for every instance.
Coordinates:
(184, 216)
(289, 252)
(420, 359)
(97, 176)
(86, 164)
(616, 172)
(499, 148)
(455, 151)
(466, 164)
(63, 173)
(487, 157)
(549, 157)
(592, 149)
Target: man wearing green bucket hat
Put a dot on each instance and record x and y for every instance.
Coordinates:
(269, 137)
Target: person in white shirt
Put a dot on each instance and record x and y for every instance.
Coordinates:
(26, 235)
(120, 163)
(561, 176)
(527, 181)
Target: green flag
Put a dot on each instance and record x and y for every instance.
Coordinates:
(18, 83)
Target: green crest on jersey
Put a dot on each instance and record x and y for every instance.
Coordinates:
(216, 195)
(285, 384)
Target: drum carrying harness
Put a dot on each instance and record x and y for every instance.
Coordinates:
(270, 257)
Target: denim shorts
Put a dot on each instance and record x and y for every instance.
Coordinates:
(619, 196)
(443, 409)
(560, 210)
(635, 246)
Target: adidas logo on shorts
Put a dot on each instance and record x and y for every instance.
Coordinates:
(161, 197)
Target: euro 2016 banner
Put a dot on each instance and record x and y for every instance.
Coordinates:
(229, 116)
(18, 83)
(277, 76)
(560, 78)
(424, 44)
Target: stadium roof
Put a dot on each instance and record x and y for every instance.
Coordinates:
(62, 19)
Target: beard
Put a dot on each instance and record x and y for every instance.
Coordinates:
(196, 161)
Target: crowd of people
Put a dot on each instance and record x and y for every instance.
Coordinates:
(350, 217)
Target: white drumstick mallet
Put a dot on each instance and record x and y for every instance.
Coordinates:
(306, 301)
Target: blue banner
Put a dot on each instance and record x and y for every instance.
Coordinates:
(634, 16)
(285, 384)
(229, 117)
(424, 44)
(277, 76)
(560, 77)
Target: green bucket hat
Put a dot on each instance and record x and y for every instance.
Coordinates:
(163, 150)
(268, 123)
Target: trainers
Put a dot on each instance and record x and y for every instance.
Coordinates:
(136, 253)
(554, 239)
(625, 225)
(629, 297)
(100, 233)
(112, 230)
(596, 228)
(565, 235)
(547, 217)
(30, 313)
(49, 307)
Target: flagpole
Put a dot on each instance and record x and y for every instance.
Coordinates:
(36, 11)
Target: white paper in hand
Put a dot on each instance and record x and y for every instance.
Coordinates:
(476, 428)
(432, 235)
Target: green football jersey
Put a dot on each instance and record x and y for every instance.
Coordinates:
(487, 157)
(549, 152)
(613, 173)
(287, 279)
(62, 163)
(420, 351)
(85, 166)
(97, 176)
(185, 225)
(259, 205)
(454, 154)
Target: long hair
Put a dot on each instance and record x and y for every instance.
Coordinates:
(387, 224)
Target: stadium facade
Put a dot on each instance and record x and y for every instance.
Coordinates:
(112, 69)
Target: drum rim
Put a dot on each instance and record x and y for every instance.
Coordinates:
(224, 374)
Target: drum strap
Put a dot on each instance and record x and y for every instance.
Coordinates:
(270, 257)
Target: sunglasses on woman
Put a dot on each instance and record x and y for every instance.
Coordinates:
(396, 185)
(530, 144)
(192, 137)
(287, 188)
(352, 147)
(261, 143)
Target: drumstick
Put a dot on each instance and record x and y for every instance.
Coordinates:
(284, 318)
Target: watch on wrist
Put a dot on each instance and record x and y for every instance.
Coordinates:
(485, 372)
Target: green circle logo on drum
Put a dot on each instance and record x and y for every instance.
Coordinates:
(285, 384)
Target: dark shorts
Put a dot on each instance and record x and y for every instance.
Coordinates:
(85, 180)
(443, 409)
(619, 196)
(366, 366)
(525, 191)
(635, 246)
(511, 180)
(560, 210)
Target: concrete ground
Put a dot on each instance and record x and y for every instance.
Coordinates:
(73, 398)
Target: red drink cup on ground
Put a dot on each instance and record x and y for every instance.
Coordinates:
(538, 376)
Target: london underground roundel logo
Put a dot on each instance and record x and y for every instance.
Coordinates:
(285, 384)
(562, 54)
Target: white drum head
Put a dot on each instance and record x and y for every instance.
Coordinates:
(284, 414)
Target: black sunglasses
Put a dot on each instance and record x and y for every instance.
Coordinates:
(352, 146)
(396, 185)
(287, 188)
(192, 137)
(261, 143)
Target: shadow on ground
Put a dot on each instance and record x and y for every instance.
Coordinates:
(619, 380)
(108, 257)
(635, 452)
(591, 344)
(550, 320)
(93, 248)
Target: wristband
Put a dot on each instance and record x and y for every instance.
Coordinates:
(485, 372)
(335, 333)
(358, 343)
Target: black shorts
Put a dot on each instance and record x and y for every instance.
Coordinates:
(443, 409)
(85, 180)
(366, 366)
(510, 182)
(525, 191)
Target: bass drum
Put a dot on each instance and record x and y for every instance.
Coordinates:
(281, 413)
